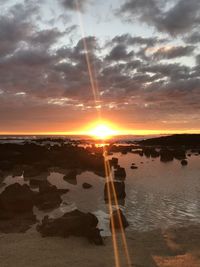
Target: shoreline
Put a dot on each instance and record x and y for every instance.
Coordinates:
(174, 247)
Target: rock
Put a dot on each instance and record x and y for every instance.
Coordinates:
(17, 198)
(113, 162)
(86, 185)
(166, 155)
(120, 173)
(119, 220)
(179, 154)
(48, 196)
(74, 223)
(134, 167)
(16, 209)
(184, 162)
(6, 165)
(70, 177)
(119, 188)
(17, 171)
(150, 152)
(16, 223)
(34, 182)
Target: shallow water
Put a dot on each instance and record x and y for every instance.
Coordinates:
(158, 194)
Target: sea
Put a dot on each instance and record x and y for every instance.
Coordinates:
(158, 195)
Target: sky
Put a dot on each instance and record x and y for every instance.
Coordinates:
(65, 64)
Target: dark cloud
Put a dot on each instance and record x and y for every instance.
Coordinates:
(178, 18)
(173, 52)
(119, 52)
(198, 60)
(193, 38)
(45, 37)
(127, 39)
(75, 5)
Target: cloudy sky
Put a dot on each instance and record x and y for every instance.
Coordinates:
(135, 62)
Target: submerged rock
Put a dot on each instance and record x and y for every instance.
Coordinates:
(74, 223)
(118, 219)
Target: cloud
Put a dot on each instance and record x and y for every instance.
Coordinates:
(193, 38)
(173, 52)
(75, 5)
(119, 52)
(129, 40)
(178, 18)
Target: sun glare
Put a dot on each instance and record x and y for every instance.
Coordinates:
(102, 131)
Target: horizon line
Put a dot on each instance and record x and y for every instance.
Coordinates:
(124, 133)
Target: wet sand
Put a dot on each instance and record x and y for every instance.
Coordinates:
(175, 247)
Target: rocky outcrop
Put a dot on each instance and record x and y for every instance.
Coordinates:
(16, 209)
(118, 219)
(166, 155)
(120, 173)
(114, 188)
(74, 223)
(49, 197)
(17, 198)
(113, 162)
(70, 177)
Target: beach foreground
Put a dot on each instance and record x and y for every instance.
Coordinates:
(175, 247)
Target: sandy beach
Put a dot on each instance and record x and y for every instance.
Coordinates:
(175, 247)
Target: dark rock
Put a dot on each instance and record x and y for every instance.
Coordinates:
(35, 170)
(113, 162)
(119, 190)
(133, 167)
(179, 154)
(150, 152)
(166, 155)
(120, 173)
(17, 171)
(6, 165)
(48, 196)
(184, 162)
(86, 185)
(74, 223)
(16, 223)
(34, 182)
(17, 198)
(70, 177)
(118, 219)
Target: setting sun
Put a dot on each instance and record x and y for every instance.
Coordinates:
(102, 131)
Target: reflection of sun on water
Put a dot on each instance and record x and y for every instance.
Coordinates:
(102, 131)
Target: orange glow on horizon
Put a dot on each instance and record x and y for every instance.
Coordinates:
(117, 132)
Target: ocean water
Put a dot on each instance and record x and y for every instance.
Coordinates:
(158, 195)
